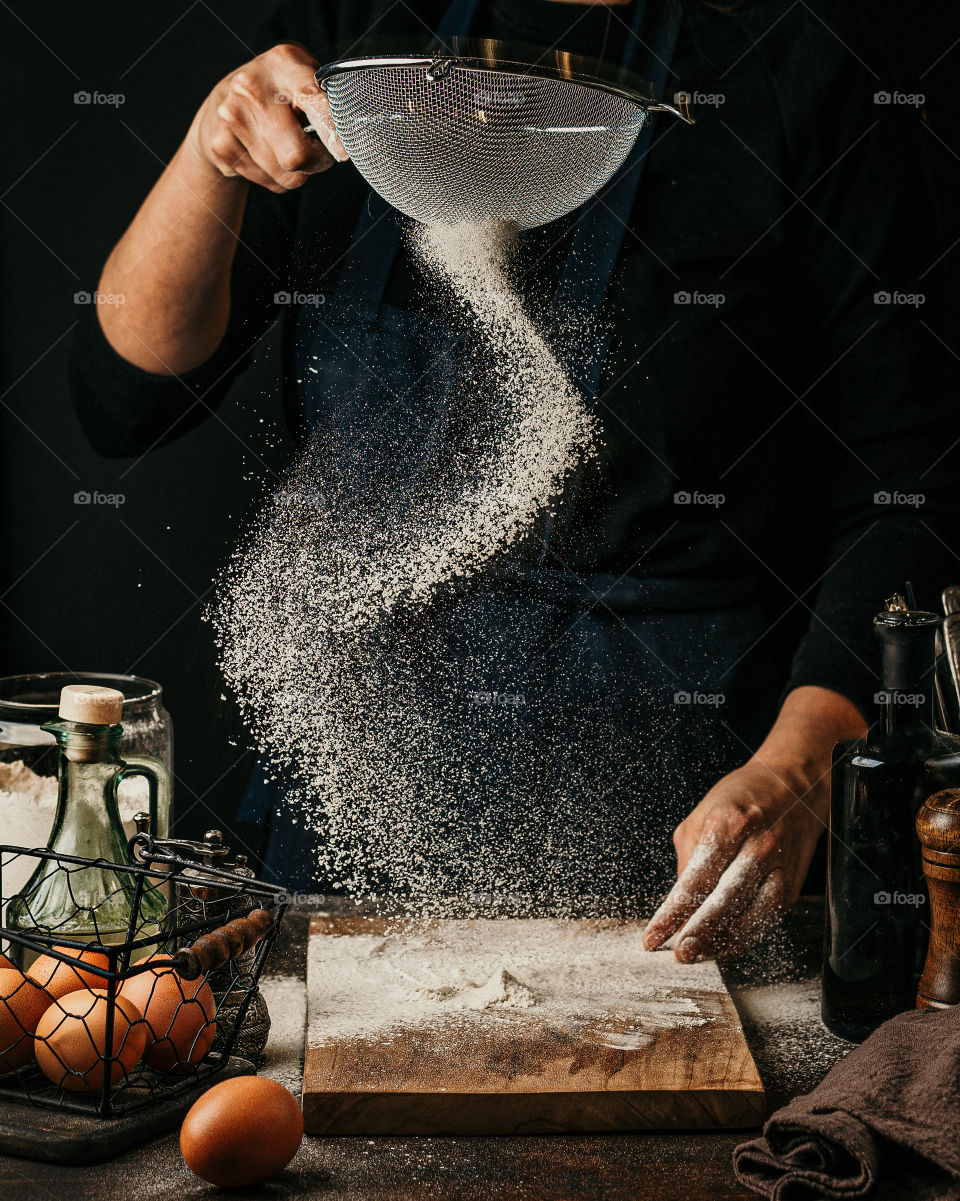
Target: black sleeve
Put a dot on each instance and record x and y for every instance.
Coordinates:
(125, 410)
(883, 383)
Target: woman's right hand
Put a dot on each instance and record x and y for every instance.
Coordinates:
(248, 125)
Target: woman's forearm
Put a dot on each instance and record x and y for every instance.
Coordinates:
(172, 268)
(800, 744)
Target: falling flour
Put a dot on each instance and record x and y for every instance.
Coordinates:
(325, 616)
(350, 571)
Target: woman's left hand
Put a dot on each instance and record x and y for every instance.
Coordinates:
(743, 852)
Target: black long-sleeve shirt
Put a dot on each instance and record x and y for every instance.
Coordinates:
(806, 391)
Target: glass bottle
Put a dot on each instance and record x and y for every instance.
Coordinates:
(29, 757)
(90, 903)
(876, 908)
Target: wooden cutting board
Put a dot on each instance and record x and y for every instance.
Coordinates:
(417, 1030)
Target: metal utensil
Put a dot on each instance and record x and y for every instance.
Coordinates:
(948, 657)
(487, 133)
(944, 690)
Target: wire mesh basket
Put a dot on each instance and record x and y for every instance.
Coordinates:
(486, 132)
(107, 1025)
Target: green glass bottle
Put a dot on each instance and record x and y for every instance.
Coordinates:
(93, 904)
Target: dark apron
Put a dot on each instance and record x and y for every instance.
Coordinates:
(582, 715)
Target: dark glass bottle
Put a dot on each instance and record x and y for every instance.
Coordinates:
(876, 897)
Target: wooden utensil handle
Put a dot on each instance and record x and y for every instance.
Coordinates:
(218, 947)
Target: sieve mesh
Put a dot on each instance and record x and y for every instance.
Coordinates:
(481, 145)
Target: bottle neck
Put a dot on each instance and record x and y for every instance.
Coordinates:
(905, 713)
(78, 742)
(907, 673)
(87, 821)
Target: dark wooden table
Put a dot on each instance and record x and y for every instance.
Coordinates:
(776, 992)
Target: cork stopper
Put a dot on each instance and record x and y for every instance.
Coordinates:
(91, 704)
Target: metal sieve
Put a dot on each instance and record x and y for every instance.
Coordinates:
(483, 134)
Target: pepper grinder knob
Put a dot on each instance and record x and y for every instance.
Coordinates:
(938, 825)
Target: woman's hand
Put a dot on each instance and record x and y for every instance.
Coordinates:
(743, 853)
(248, 125)
(173, 264)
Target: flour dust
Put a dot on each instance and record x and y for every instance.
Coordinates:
(592, 981)
(376, 631)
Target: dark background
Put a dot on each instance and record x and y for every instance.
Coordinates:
(122, 589)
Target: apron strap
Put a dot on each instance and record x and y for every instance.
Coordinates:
(599, 234)
(369, 260)
(601, 227)
(376, 236)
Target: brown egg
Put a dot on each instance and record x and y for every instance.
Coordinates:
(60, 978)
(5, 962)
(72, 1037)
(178, 1014)
(241, 1132)
(22, 1005)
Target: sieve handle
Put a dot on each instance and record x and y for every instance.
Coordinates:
(218, 947)
(680, 108)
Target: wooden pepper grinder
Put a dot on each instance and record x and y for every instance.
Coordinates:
(938, 825)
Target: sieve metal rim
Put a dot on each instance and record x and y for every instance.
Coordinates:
(439, 64)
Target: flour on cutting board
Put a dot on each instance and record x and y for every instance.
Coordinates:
(595, 979)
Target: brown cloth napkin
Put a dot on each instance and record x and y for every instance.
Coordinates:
(888, 1112)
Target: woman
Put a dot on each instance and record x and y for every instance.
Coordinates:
(766, 389)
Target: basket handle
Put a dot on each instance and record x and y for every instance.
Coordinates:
(218, 947)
